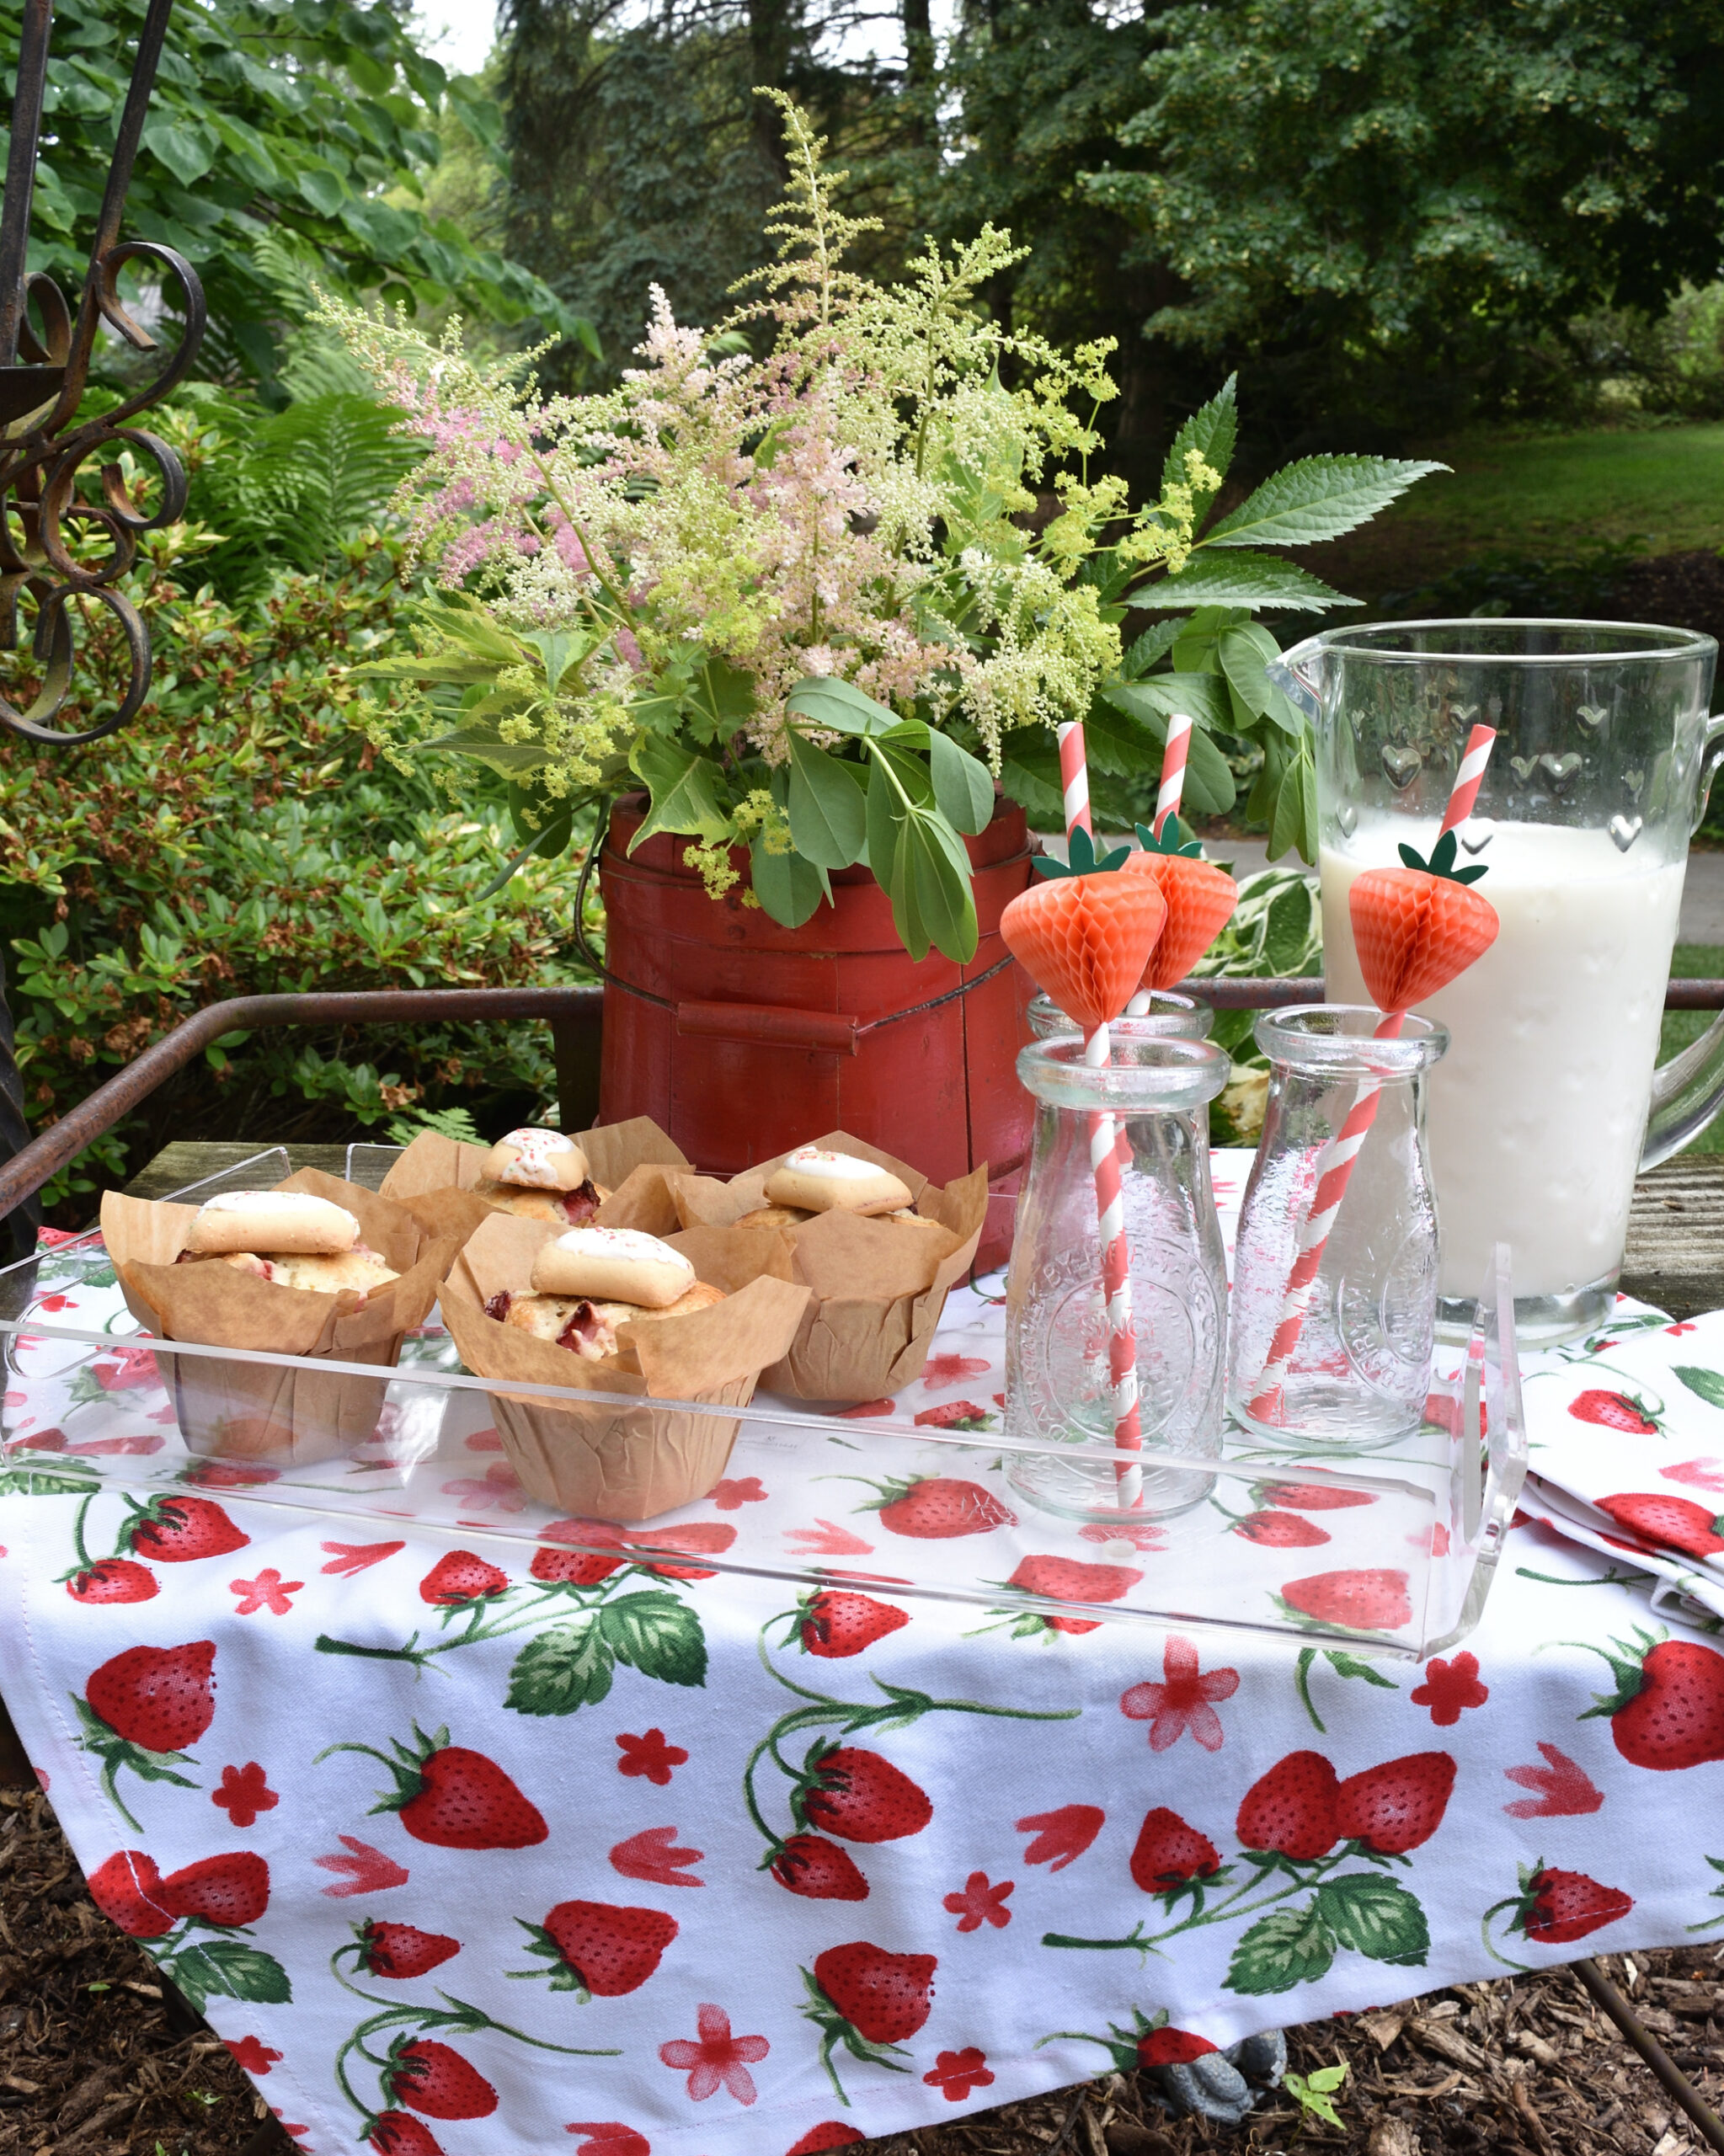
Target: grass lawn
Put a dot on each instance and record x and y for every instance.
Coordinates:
(1540, 495)
(1694, 962)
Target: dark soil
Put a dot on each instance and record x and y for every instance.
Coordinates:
(94, 2059)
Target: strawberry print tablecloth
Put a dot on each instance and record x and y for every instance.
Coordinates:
(483, 1852)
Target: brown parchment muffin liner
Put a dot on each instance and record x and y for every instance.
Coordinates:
(631, 1160)
(878, 1286)
(626, 1463)
(245, 1410)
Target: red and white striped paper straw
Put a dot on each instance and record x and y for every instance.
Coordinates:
(1116, 1283)
(1335, 1165)
(1110, 1196)
(1074, 775)
(1167, 800)
(1173, 758)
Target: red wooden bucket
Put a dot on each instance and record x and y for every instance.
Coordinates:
(742, 1037)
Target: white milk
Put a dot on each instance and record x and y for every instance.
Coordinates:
(1538, 1110)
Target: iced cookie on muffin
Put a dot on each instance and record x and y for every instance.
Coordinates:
(287, 1237)
(823, 1182)
(540, 1175)
(590, 1281)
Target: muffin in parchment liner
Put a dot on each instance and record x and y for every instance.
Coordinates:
(625, 1463)
(260, 1411)
(629, 1160)
(877, 1284)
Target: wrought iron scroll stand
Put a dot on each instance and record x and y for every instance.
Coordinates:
(43, 376)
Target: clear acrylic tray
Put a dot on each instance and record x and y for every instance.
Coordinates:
(1393, 1552)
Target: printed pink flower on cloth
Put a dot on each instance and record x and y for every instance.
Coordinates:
(1676, 1332)
(719, 2060)
(1063, 1835)
(824, 1539)
(609, 2137)
(728, 1496)
(1450, 1688)
(652, 1855)
(1183, 1701)
(55, 1304)
(650, 1755)
(268, 1591)
(1565, 1790)
(952, 1369)
(866, 1408)
(370, 1871)
(347, 1558)
(245, 1791)
(252, 2053)
(499, 1492)
(955, 2074)
(979, 1903)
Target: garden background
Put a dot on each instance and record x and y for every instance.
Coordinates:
(1450, 228)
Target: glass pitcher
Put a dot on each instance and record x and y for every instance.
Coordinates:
(1153, 1101)
(1547, 1106)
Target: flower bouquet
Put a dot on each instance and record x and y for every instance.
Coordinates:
(821, 579)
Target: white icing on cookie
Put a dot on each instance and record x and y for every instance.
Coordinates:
(832, 1167)
(630, 1243)
(534, 1151)
(269, 1201)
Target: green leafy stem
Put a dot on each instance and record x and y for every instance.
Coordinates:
(570, 1665)
(454, 2016)
(902, 1706)
(1364, 1910)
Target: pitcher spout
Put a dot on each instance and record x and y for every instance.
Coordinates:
(1302, 674)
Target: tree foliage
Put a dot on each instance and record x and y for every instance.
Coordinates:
(1350, 191)
(293, 118)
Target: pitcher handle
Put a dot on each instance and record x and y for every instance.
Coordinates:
(1688, 1091)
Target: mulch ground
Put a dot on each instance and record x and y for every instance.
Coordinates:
(93, 2059)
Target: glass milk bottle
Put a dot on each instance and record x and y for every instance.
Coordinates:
(1169, 1012)
(1060, 1389)
(1334, 1268)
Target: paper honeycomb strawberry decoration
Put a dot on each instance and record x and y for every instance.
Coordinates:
(1086, 940)
(1416, 928)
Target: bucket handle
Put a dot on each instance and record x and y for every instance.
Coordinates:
(770, 1025)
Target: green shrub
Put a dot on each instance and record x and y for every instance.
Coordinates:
(239, 837)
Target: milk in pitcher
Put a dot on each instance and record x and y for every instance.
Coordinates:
(1537, 1114)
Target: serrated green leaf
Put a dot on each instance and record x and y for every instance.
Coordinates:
(963, 786)
(1288, 1947)
(657, 1634)
(1242, 579)
(1157, 696)
(563, 1669)
(1029, 774)
(1211, 431)
(721, 697)
(1375, 1916)
(1153, 644)
(1705, 1385)
(824, 701)
(789, 888)
(485, 746)
(559, 649)
(827, 802)
(683, 785)
(227, 1968)
(1317, 498)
